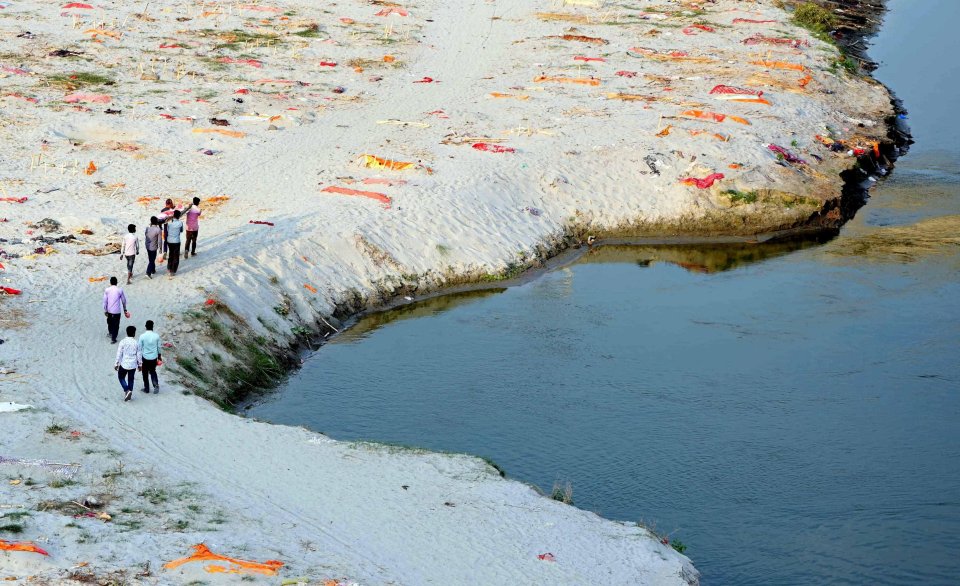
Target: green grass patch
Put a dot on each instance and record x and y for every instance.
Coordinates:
(847, 63)
(738, 196)
(241, 39)
(129, 524)
(77, 80)
(56, 428)
(155, 496)
(814, 18)
(62, 483)
(192, 367)
(495, 466)
(562, 493)
(311, 32)
(11, 528)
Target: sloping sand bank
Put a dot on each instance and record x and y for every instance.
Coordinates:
(525, 125)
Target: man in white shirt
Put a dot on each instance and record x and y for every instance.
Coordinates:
(128, 362)
(130, 249)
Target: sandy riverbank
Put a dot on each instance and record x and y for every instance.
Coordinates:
(601, 114)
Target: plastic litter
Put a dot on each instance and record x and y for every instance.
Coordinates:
(8, 407)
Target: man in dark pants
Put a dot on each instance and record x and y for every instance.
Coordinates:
(149, 344)
(114, 302)
(192, 212)
(151, 240)
(174, 234)
(165, 214)
(128, 362)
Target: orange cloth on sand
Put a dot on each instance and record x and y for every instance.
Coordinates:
(779, 65)
(201, 553)
(21, 546)
(514, 96)
(374, 162)
(382, 198)
(230, 133)
(713, 116)
(585, 39)
(380, 181)
(560, 79)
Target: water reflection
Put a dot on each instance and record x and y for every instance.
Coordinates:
(788, 410)
(428, 307)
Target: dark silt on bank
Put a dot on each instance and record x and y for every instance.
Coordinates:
(788, 411)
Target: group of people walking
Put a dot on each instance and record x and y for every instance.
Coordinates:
(141, 354)
(164, 236)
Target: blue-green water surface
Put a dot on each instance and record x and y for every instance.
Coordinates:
(790, 412)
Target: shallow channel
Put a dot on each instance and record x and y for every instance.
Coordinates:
(788, 411)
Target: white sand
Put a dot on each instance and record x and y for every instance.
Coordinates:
(333, 510)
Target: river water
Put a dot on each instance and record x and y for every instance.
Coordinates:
(790, 412)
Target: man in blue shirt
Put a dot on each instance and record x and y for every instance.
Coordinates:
(174, 232)
(149, 344)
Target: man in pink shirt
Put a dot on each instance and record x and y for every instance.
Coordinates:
(193, 212)
(114, 301)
